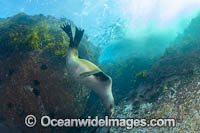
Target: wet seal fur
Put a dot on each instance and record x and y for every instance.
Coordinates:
(86, 72)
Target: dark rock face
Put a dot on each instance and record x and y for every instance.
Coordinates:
(180, 62)
(5, 129)
(33, 77)
(171, 88)
(44, 67)
(168, 70)
(36, 83)
(55, 94)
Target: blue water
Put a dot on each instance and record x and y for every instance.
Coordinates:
(110, 23)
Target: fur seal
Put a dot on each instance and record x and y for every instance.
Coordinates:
(86, 72)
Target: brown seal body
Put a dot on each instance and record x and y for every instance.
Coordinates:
(88, 73)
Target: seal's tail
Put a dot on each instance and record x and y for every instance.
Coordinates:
(74, 42)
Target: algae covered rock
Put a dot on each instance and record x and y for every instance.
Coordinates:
(33, 78)
(170, 89)
(179, 62)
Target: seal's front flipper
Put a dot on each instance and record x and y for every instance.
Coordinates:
(86, 74)
(97, 73)
(102, 76)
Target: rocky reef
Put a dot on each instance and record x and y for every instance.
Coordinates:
(34, 80)
(170, 88)
(33, 77)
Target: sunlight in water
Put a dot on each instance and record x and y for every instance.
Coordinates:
(160, 11)
(97, 16)
(108, 21)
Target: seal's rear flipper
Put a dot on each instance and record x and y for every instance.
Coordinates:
(67, 29)
(74, 42)
(97, 73)
(78, 36)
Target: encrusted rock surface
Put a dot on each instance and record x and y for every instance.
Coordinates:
(170, 89)
(180, 101)
(33, 77)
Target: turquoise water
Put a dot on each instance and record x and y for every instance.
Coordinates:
(122, 28)
(110, 22)
(131, 35)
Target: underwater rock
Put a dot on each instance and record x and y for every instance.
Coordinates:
(5, 129)
(36, 92)
(170, 88)
(11, 72)
(2, 119)
(10, 105)
(36, 82)
(183, 106)
(44, 67)
(52, 115)
(32, 44)
(180, 61)
(21, 113)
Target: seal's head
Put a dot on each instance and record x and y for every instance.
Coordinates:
(108, 102)
(109, 111)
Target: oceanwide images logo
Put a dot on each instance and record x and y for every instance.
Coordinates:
(30, 121)
(46, 121)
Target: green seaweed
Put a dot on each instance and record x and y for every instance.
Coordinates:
(23, 33)
(141, 75)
